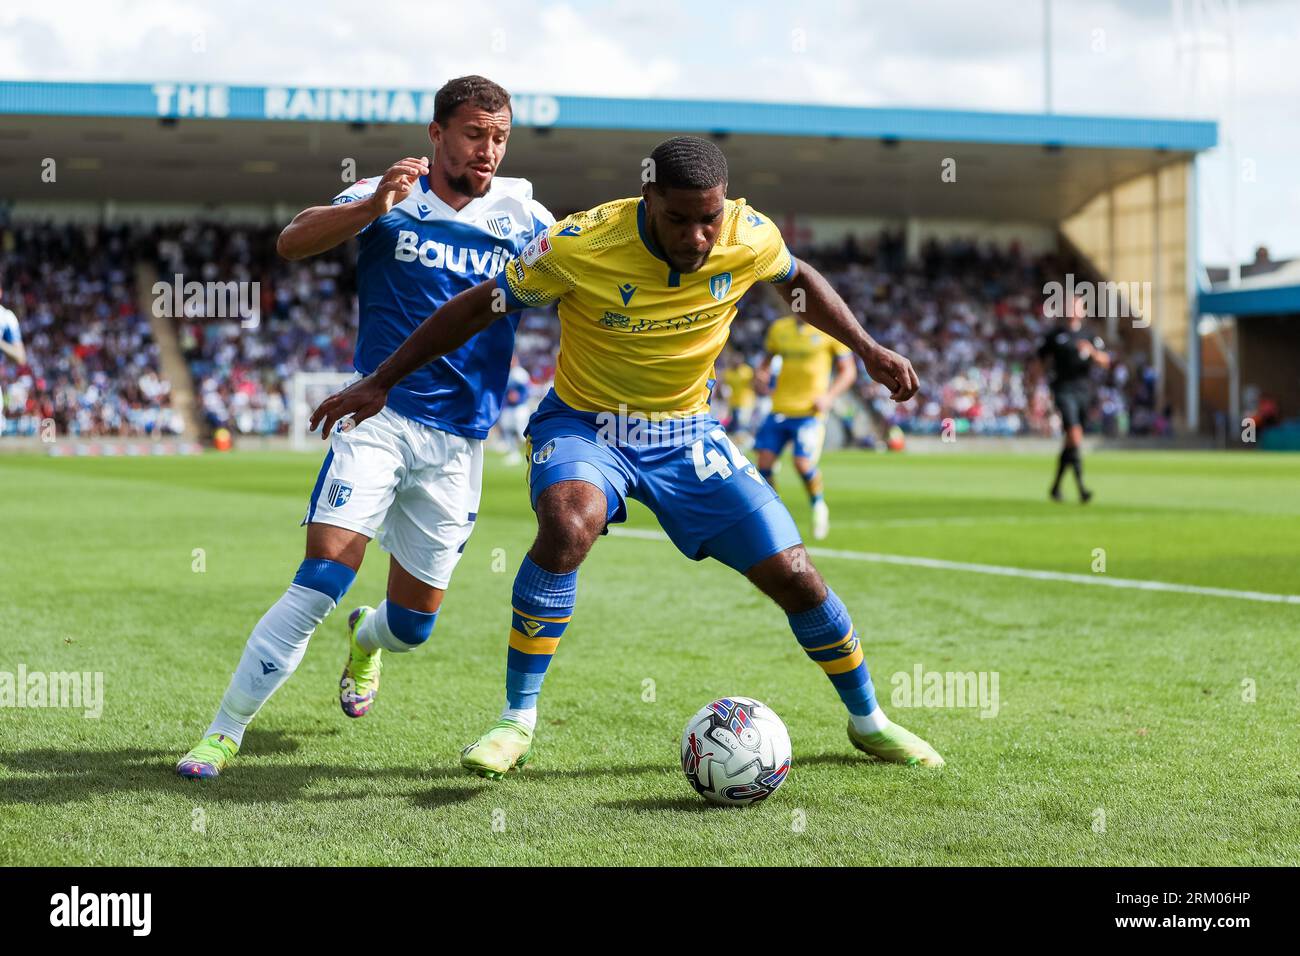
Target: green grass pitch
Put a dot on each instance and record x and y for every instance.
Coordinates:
(1134, 726)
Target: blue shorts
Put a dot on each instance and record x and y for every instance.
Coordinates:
(709, 499)
(806, 431)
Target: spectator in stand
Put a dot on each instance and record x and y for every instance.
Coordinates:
(91, 365)
(969, 315)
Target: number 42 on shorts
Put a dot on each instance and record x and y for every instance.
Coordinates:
(709, 461)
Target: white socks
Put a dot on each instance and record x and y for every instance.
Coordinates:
(374, 633)
(872, 723)
(273, 651)
(521, 716)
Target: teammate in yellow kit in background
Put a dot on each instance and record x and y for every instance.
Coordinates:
(738, 392)
(804, 393)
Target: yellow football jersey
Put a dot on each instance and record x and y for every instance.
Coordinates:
(807, 356)
(740, 385)
(633, 331)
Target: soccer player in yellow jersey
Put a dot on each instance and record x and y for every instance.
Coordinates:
(738, 391)
(647, 289)
(803, 394)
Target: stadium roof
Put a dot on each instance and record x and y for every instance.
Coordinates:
(1272, 293)
(212, 143)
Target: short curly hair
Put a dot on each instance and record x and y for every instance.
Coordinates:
(688, 162)
(476, 90)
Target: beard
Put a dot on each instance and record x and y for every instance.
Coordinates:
(461, 184)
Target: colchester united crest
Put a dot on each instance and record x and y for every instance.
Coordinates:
(543, 453)
(720, 285)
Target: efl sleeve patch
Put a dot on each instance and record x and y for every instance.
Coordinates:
(535, 250)
(361, 189)
(539, 275)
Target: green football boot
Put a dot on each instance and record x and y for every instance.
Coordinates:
(360, 681)
(209, 758)
(896, 744)
(506, 746)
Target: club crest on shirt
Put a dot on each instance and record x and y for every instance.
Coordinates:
(501, 225)
(542, 454)
(339, 493)
(720, 285)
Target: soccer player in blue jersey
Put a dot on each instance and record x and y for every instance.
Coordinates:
(427, 231)
(647, 289)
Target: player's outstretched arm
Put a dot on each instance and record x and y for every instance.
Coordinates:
(455, 322)
(320, 228)
(15, 350)
(821, 306)
(1096, 351)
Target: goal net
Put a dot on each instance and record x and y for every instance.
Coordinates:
(307, 390)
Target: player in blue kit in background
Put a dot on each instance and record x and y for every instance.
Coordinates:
(427, 231)
(514, 413)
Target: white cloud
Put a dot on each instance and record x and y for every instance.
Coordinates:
(1110, 57)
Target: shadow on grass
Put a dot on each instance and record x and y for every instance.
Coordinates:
(60, 776)
(689, 804)
(692, 804)
(52, 776)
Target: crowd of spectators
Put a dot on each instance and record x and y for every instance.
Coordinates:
(304, 321)
(969, 315)
(91, 366)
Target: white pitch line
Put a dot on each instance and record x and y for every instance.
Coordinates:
(981, 520)
(1008, 572)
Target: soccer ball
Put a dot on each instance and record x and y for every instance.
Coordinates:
(735, 751)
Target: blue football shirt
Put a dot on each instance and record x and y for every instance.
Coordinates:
(412, 260)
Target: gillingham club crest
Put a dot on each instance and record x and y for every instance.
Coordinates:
(339, 493)
(501, 225)
(720, 285)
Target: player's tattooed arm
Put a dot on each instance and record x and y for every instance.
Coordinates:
(320, 228)
(809, 294)
(455, 322)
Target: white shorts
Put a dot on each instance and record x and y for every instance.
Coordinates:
(413, 486)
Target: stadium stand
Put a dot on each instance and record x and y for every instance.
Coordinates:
(306, 321)
(969, 315)
(92, 364)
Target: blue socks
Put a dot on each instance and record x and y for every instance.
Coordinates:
(827, 636)
(542, 608)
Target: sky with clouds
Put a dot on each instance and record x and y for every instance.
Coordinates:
(1165, 58)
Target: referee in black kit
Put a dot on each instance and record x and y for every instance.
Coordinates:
(1071, 353)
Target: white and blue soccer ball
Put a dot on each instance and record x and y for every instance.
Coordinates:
(735, 751)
